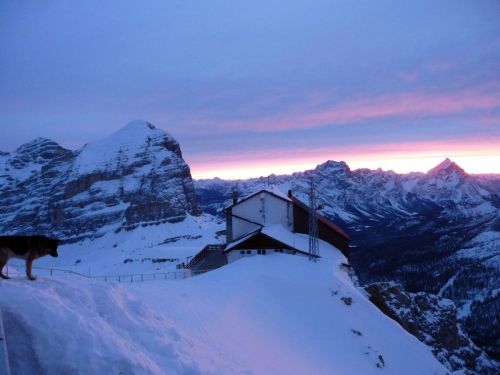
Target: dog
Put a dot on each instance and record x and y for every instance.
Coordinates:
(26, 247)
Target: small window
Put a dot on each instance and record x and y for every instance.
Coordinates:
(249, 251)
(242, 251)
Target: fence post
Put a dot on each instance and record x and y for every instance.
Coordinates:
(51, 272)
(119, 279)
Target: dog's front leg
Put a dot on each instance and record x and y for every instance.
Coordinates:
(29, 263)
(3, 261)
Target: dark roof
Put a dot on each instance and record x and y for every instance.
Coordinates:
(258, 232)
(321, 218)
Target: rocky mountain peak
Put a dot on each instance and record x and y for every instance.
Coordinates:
(332, 166)
(135, 176)
(446, 167)
(39, 151)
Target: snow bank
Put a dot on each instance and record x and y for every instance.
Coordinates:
(77, 326)
(281, 314)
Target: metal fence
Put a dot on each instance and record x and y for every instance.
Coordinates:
(123, 278)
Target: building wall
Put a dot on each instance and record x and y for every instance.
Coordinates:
(301, 225)
(234, 255)
(263, 209)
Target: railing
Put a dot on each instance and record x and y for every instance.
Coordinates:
(123, 278)
(49, 271)
(202, 254)
(140, 277)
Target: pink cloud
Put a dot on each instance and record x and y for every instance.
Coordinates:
(388, 106)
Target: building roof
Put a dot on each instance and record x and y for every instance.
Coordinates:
(321, 218)
(297, 241)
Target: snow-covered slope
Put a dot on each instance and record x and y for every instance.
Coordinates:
(149, 249)
(275, 314)
(78, 326)
(133, 177)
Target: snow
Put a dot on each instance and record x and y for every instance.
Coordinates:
(281, 314)
(298, 241)
(121, 147)
(272, 314)
(133, 252)
(90, 327)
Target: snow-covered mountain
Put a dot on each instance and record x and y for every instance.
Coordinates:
(134, 177)
(436, 232)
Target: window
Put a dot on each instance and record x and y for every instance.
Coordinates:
(261, 251)
(249, 251)
(242, 251)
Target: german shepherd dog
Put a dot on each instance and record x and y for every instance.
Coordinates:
(26, 247)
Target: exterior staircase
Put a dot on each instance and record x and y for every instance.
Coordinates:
(209, 258)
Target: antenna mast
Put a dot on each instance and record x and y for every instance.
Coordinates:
(313, 222)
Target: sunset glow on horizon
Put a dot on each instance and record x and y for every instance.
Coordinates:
(483, 158)
(472, 164)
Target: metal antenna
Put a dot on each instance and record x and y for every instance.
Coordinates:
(313, 223)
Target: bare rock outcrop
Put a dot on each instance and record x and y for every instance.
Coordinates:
(433, 320)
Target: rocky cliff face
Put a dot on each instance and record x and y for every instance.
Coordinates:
(432, 320)
(134, 177)
(436, 232)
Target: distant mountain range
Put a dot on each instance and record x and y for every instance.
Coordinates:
(437, 232)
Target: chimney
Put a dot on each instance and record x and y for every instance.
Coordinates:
(235, 196)
(289, 193)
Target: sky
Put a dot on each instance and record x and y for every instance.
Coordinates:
(251, 88)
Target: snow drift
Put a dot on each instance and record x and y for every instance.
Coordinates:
(78, 326)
